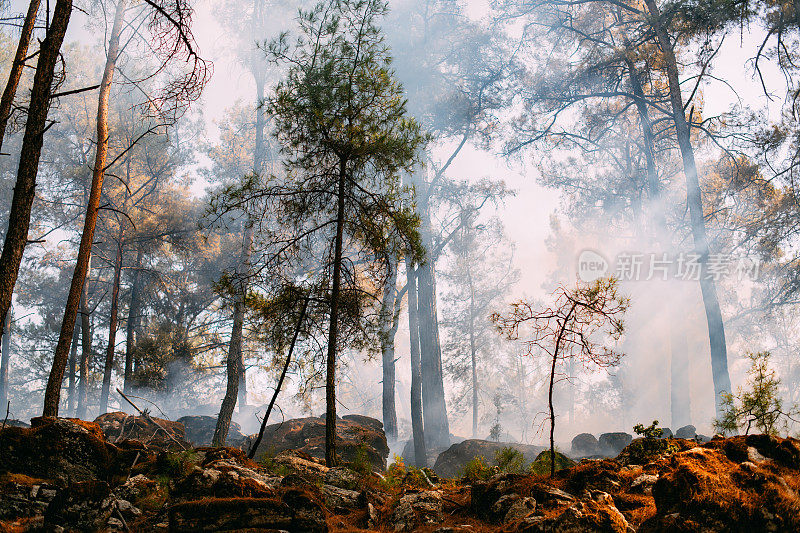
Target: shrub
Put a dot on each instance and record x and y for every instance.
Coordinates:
(542, 463)
(651, 446)
(361, 464)
(400, 475)
(478, 470)
(760, 406)
(510, 460)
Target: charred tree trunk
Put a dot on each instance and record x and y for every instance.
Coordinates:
(333, 330)
(417, 421)
(10, 92)
(5, 357)
(86, 353)
(53, 391)
(19, 217)
(112, 330)
(388, 330)
(73, 366)
(133, 321)
(716, 327)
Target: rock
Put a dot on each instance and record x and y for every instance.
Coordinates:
(644, 483)
(22, 496)
(86, 505)
(62, 449)
(135, 488)
(341, 477)
(666, 433)
(519, 510)
(354, 441)
(127, 509)
(484, 495)
(581, 517)
(421, 508)
(585, 445)
(686, 432)
(702, 438)
(611, 444)
(225, 473)
(295, 511)
(119, 426)
(452, 461)
(715, 486)
(504, 503)
(300, 463)
(200, 430)
(341, 500)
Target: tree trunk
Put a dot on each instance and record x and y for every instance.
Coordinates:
(86, 353)
(112, 330)
(473, 356)
(53, 391)
(73, 366)
(5, 358)
(333, 331)
(233, 370)
(417, 421)
(19, 217)
(716, 327)
(133, 321)
(434, 410)
(387, 350)
(10, 92)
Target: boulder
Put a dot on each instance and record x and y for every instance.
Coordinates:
(421, 508)
(355, 441)
(119, 426)
(452, 461)
(686, 432)
(200, 430)
(62, 449)
(585, 445)
(613, 443)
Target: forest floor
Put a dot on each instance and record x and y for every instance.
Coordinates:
(66, 475)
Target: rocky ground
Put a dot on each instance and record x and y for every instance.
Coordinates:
(141, 474)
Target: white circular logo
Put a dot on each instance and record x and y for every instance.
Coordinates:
(591, 266)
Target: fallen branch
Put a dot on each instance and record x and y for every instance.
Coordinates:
(150, 419)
